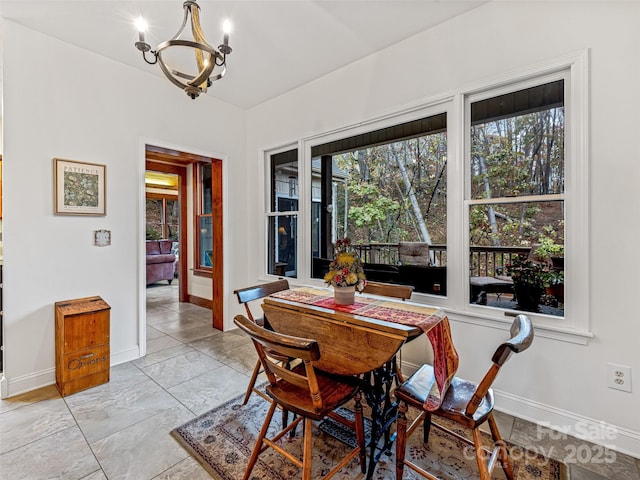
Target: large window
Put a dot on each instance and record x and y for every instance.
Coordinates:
(479, 194)
(516, 199)
(387, 191)
(282, 215)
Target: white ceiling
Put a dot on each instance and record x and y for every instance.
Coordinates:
(277, 44)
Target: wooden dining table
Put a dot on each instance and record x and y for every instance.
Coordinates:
(360, 339)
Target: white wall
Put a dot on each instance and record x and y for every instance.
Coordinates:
(62, 101)
(554, 381)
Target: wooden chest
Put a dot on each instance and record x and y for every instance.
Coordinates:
(82, 344)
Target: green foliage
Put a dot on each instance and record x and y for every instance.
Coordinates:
(549, 248)
(515, 157)
(375, 194)
(153, 233)
(374, 211)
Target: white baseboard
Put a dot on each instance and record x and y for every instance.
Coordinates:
(125, 356)
(26, 383)
(10, 387)
(620, 439)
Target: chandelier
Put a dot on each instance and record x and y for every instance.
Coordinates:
(207, 58)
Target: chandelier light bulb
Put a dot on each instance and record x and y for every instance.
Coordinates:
(226, 29)
(141, 24)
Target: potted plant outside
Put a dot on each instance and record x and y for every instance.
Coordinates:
(528, 281)
(554, 285)
(552, 251)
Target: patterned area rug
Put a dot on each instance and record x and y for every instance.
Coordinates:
(223, 438)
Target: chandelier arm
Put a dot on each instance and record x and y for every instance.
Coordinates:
(219, 75)
(169, 74)
(185, 17)
(191, 77)
(198, 35)
(203, 65)
(202, 75)
(155, 57)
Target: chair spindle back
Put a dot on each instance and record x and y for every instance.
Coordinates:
(521, 338)
(269, 344)
(248, 294)
(389, 290)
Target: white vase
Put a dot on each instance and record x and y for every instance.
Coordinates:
(345, 295)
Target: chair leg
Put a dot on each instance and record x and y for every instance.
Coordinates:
(359, 419)
(252, 382)
(499, 443)
(481, 457)
(307, 459)
(401, 439)
(426, 427)
(259, 440)
(400, 378)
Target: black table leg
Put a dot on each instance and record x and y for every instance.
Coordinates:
(384, 411)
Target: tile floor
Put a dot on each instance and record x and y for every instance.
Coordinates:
(120, 430)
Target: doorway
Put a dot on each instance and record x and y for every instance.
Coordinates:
(203, 258)
(166, 207)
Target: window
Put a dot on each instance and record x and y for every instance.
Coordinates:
(163, 217)
(519, 150)
(204, 217)
(162, 205)
(282, 217)
(516, 202)
(387, 191)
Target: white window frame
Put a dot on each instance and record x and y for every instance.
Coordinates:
(574, 70)
(269, 213)
(575, 326)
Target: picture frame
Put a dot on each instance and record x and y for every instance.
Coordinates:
(79, 188)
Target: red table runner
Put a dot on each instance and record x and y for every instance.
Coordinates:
(435, 325)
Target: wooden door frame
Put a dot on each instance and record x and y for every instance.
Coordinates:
(181, 172)
(217, 269)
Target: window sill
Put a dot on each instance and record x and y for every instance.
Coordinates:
(570, 335)
(201, 272)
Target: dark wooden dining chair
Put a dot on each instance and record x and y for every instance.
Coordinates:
(388, 290)
(466, 403)
(392, 290)
(309, 393)
(246, 296)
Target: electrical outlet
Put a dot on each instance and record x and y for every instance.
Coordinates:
(619, 377)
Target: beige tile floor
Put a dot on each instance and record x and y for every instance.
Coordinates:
(120, 430)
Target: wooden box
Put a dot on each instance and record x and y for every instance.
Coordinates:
(82, 344)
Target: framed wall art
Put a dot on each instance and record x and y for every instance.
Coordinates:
(79, 188)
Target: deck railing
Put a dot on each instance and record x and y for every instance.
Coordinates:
(387, 253)
(483, 262)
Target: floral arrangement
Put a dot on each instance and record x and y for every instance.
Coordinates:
(346, 268)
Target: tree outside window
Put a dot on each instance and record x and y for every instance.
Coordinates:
(516, 206)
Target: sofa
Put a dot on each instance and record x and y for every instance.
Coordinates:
(161, 263)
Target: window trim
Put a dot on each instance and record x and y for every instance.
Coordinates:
(574, 70)
(269, 213)
(199, 270)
